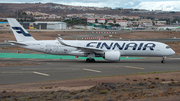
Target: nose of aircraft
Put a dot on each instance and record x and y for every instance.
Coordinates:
(172, 52)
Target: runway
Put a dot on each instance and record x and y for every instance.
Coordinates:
(57, 69)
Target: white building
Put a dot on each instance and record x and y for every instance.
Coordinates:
(102, 20)
(121, 22)
(50, 25)
(110, 21)
(145, 22)
(91, 20)
(160, 23)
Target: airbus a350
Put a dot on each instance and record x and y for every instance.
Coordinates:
(109, 50)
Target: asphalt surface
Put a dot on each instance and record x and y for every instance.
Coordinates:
(50, 70)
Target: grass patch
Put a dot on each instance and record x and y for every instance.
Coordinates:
(104, 91)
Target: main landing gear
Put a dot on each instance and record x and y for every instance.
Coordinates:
(90, 60)
(163, 59)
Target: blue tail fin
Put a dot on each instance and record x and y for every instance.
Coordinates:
(19, 32)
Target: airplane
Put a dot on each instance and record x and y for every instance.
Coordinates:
(168, 28)
(109, 50)
(126, 28)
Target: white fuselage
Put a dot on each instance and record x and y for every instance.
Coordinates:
(166, 28)
(126, 48)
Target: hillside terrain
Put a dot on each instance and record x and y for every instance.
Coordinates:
(10, 10)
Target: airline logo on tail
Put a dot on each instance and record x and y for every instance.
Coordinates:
(19, 30)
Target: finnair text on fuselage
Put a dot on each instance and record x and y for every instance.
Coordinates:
(124, 46)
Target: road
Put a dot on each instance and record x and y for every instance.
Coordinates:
(50, 70)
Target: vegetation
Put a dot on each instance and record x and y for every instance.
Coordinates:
(103, 91)
(76, 21)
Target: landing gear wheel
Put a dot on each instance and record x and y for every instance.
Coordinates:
(90, 60)
(87, 60)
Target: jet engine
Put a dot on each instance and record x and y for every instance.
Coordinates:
(112, 55)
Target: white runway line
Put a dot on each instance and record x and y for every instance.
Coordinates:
(41, 73)
(173, 58)
(91, 70)
(134, 67)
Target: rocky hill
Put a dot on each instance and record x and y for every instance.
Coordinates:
(10, 10)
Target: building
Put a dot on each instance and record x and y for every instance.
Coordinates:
(101, 20)
(90, 20)
(122, 22)
(110, 21)
(50, 25)
(160, 23)
(26, 25)
(4, 25)
(144, 22)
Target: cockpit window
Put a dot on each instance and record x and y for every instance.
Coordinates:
(167, 47)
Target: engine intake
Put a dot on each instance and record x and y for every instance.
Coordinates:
(112, 55)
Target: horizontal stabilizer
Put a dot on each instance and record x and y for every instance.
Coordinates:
(17, 43)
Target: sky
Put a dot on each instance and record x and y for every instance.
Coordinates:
(165, 5)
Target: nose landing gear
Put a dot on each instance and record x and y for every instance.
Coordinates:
(163, 59)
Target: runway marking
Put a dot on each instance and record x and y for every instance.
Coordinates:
(91, 70)
(41, 73)
(15, 72)
(50, 69)
(173, 58)
(94, 66)
(134, 67)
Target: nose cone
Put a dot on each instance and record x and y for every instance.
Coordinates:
(172, 52)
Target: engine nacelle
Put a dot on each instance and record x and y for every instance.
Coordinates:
(112, 55)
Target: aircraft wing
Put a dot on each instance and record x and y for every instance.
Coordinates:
(87, 49)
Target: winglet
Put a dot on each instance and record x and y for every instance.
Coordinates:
(60, 40)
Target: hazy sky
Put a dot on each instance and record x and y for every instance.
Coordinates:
(165, 5)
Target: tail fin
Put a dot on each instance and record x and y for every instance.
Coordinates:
(19, 32)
